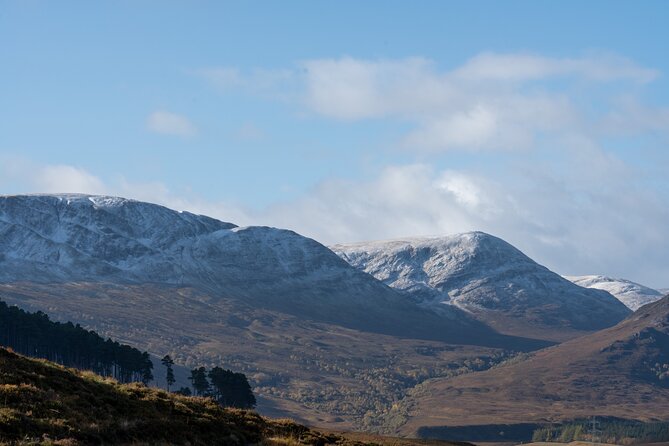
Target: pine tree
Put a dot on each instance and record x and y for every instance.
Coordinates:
(198, 377)
(168, 363)
(33, 334)
(231, 389)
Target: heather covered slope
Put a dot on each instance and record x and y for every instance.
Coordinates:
(622, 371)
(489, 278)
(42, 401)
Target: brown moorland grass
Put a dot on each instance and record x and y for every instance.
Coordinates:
(617, 372)
(42, 403)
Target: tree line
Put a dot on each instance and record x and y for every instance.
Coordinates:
(35, 335)
(607, 430)
(228, 388)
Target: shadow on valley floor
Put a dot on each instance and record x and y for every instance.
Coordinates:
(520, 432)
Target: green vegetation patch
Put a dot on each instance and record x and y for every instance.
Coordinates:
(607, 430)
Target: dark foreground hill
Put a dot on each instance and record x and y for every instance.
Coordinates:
(40, 400)
(619, 372)
(44, 403)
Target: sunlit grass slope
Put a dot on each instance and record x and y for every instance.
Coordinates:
(44, 403)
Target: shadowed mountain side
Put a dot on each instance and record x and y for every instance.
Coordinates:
(391, 314)
(622, 371)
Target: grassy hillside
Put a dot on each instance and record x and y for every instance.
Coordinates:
(44, 403)
(620, 372)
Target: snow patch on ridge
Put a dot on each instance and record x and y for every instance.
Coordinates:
(632, 294)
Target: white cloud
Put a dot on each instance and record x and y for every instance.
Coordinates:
(21, 175)
(484, 104)
(350, 88)
(167, 123)
(463, 188)
(64, 178)
(527, 67)
(491, 102)
(630, 116)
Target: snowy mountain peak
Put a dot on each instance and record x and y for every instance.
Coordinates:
(482, 274)
(632, 294)
(425, 265)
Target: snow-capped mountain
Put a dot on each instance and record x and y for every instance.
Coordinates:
(632, 294)
(80, 238)
(486, 276)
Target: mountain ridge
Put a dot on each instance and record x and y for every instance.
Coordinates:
(632, 294)
(487, 277)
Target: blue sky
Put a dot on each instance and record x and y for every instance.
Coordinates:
(545, 123)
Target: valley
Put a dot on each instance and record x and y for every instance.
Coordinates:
(316, 373)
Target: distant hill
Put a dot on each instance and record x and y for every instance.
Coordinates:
(622, 371)
(489, 278)
(632, 294)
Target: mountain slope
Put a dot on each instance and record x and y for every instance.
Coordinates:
(622, 371)
(632, 294)
(489, 278)
(78, 238)
(43, 402)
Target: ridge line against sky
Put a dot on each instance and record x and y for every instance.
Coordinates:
(544, 124)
